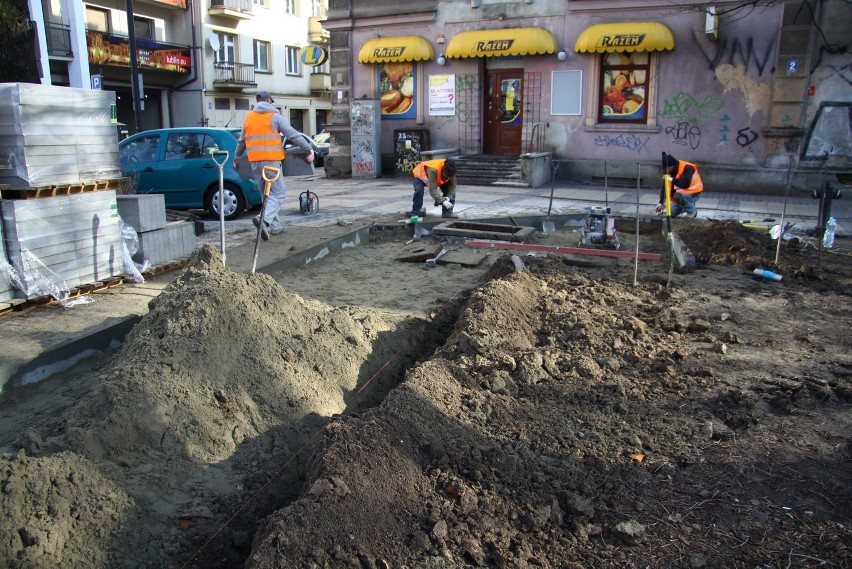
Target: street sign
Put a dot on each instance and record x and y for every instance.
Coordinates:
(97, 81)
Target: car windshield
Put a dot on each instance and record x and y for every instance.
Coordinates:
(143, 149)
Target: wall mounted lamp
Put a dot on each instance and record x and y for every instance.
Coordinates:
(562, 55)
(441, 59)
(440, 38)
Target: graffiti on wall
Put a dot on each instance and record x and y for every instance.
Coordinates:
(363, 157)
(725, 130)
(746, 136)
(629, 142)
(685, 134)
(686, 107)
(738, 51)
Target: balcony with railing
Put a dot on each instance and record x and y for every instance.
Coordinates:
(233, 75)
(238, 9)
(58, 38)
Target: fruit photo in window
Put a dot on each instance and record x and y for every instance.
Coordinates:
(624, 87)
(396, 89)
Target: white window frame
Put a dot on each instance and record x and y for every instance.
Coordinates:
(260, 3)
(100, 12)
(294, 66)
(258, 44)
(290, 7)
(227, 52)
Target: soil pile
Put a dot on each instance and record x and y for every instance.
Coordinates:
(572, 420)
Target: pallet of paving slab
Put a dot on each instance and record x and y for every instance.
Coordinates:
(8, 192)
(158, 270)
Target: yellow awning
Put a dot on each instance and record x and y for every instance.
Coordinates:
(625, 36)
(399, 48)
(493, 43)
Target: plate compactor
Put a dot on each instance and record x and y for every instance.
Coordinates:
(599, 229)
(308, 202)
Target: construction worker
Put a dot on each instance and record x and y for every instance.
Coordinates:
(261, 137)
(440, 176)
(686, 186)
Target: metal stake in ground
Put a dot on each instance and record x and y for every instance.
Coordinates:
(267, 172)
(221, 165)
(636, 261)
(547, 225)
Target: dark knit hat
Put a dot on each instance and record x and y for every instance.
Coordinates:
(671, 160)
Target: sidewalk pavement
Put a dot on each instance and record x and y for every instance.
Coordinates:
(355, 199)
(46, 340)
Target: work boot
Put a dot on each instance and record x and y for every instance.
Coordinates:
(264, 233)
(448, 213)
(693, 214)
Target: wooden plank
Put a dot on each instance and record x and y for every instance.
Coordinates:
(8, 192)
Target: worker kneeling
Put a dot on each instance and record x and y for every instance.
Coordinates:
(686, 187)
(440, 176)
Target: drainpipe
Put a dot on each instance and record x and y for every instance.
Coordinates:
(195, 64)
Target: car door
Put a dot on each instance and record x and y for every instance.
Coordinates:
(139, 158)
(187, 170)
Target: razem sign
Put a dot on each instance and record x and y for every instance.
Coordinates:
(388, 52)
(494, 45)
(621, 40)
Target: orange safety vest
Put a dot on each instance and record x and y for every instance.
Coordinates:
(419, 171)
(695, 185)
(262, 143)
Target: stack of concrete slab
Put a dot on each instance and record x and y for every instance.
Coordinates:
(159, 242)
(51, 135)
(75, 237)
(7, 290)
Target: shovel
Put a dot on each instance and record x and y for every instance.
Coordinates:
(223, 154)
(274, 173)
(547, 226)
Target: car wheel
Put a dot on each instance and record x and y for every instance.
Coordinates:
(235, 202)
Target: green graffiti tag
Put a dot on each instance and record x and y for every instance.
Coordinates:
(685, 107)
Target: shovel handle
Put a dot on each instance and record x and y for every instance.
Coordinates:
(215, 156)
(273, 171)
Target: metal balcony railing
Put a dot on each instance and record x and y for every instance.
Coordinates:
(233, 73)
(235, 5)
(58, 38)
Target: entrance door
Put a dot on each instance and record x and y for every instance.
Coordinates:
(503, 116)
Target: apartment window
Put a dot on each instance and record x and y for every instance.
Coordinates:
(97, 19)
(294, 67)
(316, 8)
(222, 104)
(226, 53)
(143, 28)
(261, 3)
(324, 68)
(261, 55)
(290, 6)
(624, 87)
(242, 105)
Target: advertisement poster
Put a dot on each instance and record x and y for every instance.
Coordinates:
(397, 90)
(442, 95)
(105, 49)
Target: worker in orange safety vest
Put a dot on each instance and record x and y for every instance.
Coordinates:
(686, 187)
(440, 176)
(261, 138)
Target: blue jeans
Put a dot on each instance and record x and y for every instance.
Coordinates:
(684, 204)
(419, 191)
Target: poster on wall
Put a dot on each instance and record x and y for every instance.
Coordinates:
(623, 88)
(442, 95)
(397, 88)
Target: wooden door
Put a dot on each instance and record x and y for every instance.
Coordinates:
(503, 112)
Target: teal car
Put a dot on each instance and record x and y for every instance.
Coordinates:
(178, 163)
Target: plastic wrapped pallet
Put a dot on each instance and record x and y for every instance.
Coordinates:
(76, 237)
(53, 135)
(7, 290)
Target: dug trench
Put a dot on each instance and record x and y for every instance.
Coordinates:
(362, 412)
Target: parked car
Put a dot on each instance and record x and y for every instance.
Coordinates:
(323, 142)
(320, 151)
(178, 163)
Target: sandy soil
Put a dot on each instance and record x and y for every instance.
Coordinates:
(366, 412)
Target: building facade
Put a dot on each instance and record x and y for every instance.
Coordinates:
(199, 62)
(734, 88)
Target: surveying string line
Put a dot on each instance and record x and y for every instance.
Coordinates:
(288, 462)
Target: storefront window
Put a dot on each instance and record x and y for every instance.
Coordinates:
(396, 89)
(624, 88)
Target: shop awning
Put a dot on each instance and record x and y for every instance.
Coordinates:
(494, 43)
(625, 36)
(398, 48)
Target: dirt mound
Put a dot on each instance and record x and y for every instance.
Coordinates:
(575, 421)
(220, 358)
(61, 508)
